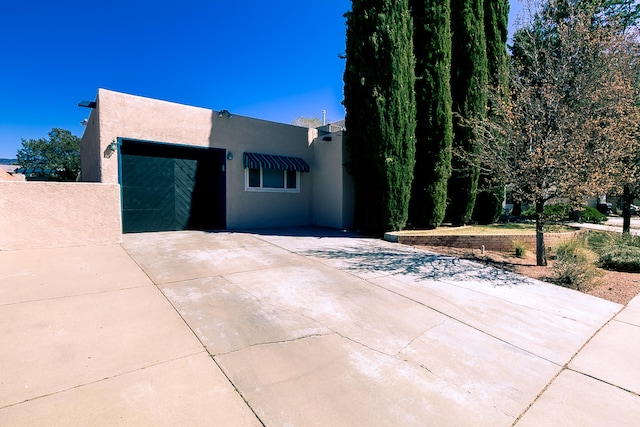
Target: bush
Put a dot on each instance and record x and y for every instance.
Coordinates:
(616, 251)
(529, 213)
(520, 248)
(575, 264)
(592, 215)
(557, 212)
(623, 258)
(554, 212)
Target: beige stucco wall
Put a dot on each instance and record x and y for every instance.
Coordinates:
(249, 209)
(126, 116)
(90, 150)
(332, 185)
(53, 214)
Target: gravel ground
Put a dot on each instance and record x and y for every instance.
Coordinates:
(611, 285)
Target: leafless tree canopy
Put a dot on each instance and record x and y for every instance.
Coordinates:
(572, 123)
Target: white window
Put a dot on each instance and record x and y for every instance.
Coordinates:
(275, 180)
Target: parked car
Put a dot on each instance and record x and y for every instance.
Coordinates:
(635, 210)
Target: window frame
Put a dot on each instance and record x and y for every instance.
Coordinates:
(263, 189)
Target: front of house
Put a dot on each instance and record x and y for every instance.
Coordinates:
(182, 167)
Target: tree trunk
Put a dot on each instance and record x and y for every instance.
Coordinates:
(541, 250)
(626, 210)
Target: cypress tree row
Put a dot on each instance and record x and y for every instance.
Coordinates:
(491, 187)
(380, 111)
(468, 92)
(432, 47)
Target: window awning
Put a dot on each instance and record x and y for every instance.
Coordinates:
(270, 161)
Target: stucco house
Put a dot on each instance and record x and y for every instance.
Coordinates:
(183, 167)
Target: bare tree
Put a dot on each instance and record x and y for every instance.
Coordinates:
(574, 117)
(307, 122)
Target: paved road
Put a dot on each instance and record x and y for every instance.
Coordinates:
(613, 224)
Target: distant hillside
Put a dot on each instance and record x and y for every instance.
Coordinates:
(8, 161)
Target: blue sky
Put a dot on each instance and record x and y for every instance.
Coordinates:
(275, 60)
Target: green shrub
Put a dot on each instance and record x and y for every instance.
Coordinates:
(616, 251)
(600, 240)
(554, 212)
(574, 265)
(557, 212)
(592, 215)
(529, 213)
(520, 248)
(623, 258)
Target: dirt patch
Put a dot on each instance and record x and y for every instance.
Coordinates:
(611, 285)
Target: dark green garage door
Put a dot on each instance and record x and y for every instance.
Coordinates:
(167, 187)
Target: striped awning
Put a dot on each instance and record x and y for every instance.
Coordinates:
(270, 161)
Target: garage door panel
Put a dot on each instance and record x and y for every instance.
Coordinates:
(171, 187)
(147, 198)
(138, 221)
(185, 181)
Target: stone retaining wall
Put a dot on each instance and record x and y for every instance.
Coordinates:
(502, 243)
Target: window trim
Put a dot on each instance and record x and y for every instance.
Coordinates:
(262, 189)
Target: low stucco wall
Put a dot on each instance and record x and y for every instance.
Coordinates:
(52, 214)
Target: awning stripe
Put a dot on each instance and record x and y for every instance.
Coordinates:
(271, 161)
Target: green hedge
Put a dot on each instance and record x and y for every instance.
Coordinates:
(623, 258)
(554, 212)
(592, 215)
(616, 251)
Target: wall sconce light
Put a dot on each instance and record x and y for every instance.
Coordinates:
(225, 113)
(229, 155)
(111, 148)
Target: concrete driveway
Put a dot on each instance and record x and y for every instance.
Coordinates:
(304, 327)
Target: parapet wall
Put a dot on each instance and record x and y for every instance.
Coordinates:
(52, 214)
(501, 243)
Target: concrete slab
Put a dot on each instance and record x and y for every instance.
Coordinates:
(173, 257)
(54, 345)
(635, 302)
(342, 303)
(332, 381)
(630, 315)
(189, 391)
(491, 371)
(492, 335)
(363, 257)
(613, 356)
(227, 318)
(39, 274)
(549, 336)
(576, 400)
(370, 259)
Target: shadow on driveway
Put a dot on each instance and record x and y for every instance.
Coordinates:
(421, 264)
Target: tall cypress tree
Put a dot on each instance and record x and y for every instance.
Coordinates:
(432, 47)
(469, 95)
(380, 111)
(491, 186)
